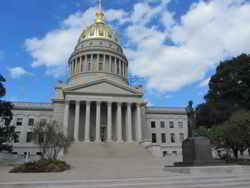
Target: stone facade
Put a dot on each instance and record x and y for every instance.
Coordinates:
(97, 104)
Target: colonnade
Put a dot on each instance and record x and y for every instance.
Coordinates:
(110, 123)
(98, 63)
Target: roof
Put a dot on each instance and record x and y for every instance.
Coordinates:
(32, 106)
(166, 110)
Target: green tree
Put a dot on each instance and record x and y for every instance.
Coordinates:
(234, 133)
(231, 83)
(50, 139)
(7, 132)
(229, 91)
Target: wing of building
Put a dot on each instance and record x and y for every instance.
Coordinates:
(98, 105)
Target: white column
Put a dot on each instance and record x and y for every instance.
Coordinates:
(109, 119)
(76, 128)
(123, 64)
(120, 67)
(110, 64)
(129, 123)
(87, 121)
(119, 123)
(98, 122)
(139, 130)
(91, 63)
(66, 118)
(115, 71)
(98, 61)
(85, 64)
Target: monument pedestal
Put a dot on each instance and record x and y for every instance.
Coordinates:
(196, 151)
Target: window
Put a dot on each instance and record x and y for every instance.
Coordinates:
(19, 122)
(31, 122)
(164, 153)
(181, 137)
(172, 135)
(171, 124)
(154, 139)
(162, 124)
(152, 124)
(29, 137)
(180, 124)
(174, 152)
(163, 138)
(16, 140)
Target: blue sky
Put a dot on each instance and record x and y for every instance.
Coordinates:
(174, 44)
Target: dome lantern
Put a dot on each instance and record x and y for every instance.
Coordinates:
(99, 14)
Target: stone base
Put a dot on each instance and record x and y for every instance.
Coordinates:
(200, 163)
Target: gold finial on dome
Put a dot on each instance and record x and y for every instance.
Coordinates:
(99, 13)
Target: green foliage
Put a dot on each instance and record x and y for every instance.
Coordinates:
(41, 166)
(231, 83)
(7, 132)
(50, 139)
(229, 91)
(209, 115)
(234, 133)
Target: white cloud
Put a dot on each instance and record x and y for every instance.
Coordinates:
(54, 49)
(149, 103)
(208, 32)
(204, 83)
(17, 72)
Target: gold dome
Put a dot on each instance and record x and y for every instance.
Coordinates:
(99, 30)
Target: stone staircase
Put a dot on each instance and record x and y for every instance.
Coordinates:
(116, 160)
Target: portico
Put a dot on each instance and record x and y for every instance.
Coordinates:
(103, 121)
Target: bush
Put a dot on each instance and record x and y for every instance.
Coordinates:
(41, 166)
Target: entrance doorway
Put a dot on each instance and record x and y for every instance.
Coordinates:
(103, 134)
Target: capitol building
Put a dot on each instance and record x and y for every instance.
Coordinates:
(98, 106)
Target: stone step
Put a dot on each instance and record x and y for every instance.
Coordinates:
(112, 159)
(108, 150)
(147, 182)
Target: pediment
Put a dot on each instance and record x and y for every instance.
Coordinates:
(103, 87)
